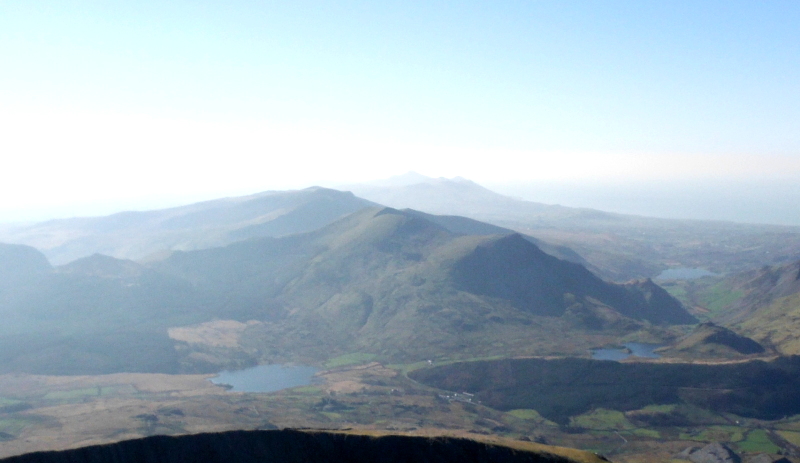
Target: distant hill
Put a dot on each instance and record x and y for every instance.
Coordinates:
(291, 446)
(20, 264)
(389, 281)
(616, 246)
(620, 246)
(380, 281)
(102, 266)
(98, 314)
(458, 196)
(136, 235)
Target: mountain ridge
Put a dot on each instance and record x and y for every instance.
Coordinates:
(618, 246)
(138, 234)
(387, 282)
(380, 280)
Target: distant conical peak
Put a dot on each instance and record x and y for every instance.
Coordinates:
(412, 178)
(409, 178)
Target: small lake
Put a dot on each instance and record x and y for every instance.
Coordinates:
(635, 349)
(266, 378)
(684, 273)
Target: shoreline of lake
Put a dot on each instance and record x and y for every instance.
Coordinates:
(266, 378)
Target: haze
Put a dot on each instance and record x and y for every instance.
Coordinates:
(678, 109)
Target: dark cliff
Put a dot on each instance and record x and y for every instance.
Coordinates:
(293, 446)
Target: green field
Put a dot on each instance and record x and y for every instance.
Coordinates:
(355, 358)
(602, 419)
(718, 297)
(758, 441)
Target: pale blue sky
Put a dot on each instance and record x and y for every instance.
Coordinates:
(163, 99)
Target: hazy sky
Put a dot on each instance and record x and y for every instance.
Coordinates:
(121, 103)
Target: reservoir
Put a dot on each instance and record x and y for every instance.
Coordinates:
(266, 378)
(684, 273)
(635, 349)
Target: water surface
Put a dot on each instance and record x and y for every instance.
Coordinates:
(684, 273)
(635, 349)
(266, 378)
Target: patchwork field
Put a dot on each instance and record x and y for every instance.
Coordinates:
(58, 412)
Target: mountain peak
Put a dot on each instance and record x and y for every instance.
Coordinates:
(412, 178)
(409, 178)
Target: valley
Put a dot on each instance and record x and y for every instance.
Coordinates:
(417, 323)
(66, 412)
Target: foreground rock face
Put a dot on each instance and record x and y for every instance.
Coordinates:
(764, 458)
(291, 446)
(714, 453)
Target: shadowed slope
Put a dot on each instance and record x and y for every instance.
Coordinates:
(289, 446)
(512, 268)
(560, 388)
(708, 338)
(466, 226)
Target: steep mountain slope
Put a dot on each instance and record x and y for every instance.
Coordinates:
(621, 246)
(466, 226)
(135, 235)
(364, 246)
(776, 325)
(510, 269)
(769, 309)
(759, 289)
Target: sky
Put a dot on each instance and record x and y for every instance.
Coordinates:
(108, 105)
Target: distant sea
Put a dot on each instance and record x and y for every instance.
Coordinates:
(748, 201)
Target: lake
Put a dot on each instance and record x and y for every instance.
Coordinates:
(266, 378)
(637, 349)
(684, 273)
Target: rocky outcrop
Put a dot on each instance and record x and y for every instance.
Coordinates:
(714, 453)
